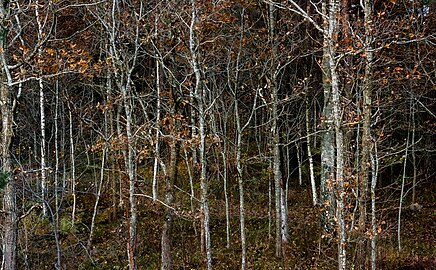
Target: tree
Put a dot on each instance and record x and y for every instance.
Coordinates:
(199, 94)
(8, 100)
(124, 60)
(9, 198)
(255, 96)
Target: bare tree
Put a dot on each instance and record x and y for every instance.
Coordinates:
(199, 95)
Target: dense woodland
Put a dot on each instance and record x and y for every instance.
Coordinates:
(219, 134)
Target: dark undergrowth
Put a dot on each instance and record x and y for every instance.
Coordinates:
(306, 248)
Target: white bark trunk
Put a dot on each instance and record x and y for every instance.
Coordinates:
(73, 167)
(56, 172)
(226, 195)
(43, 148)
(300, 172)
(374, 172)
(199, 95)
(240, 185)
(337, 123)
(400, 208)
(309, 154)
(42, 121)
(99, 185)
(157, 126)
(270, 203)
(130, 166)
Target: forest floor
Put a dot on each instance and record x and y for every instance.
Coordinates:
(304, 250)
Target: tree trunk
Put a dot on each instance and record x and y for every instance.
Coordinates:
(281, 219)
(327, 147)
(374, 173)
(130, 166)
(9, 240)
(309, 154)
(200, 97)
(403, 179)
(43, 149)
(56, 175)
(73, 167)
(9, 198)
(336, 106)
(157, 126)
(226, 196)
(42, 122)
(240, 185)
(100, 183)
(166, 257)
(366, 142)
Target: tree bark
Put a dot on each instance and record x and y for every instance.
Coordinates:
(9, 243)
(366, 142)
(337, 118)
(374, 173)
(200, 97)
(309, 155)
(157, 126)
(73, 166)
(166, 255)
(9, 197)
(327, 146)
(42, 121)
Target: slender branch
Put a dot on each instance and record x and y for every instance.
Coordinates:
(298, 10)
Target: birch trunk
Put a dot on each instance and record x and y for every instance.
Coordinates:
(130, 166)
(309, 154)
(240, 185)
(100, 183)
(337, 124)
(73, 167)
(42, 120)
(226, 196)
(278, 181)
(374, 173)
(239, 132)
(56, 173)
(43, 148)
(157, 126)
(413, 155)
(400, 208)
(199, 95)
